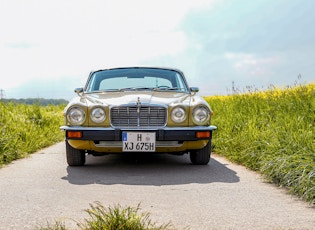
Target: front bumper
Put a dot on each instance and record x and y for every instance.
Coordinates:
(162, 134)
(109, 140)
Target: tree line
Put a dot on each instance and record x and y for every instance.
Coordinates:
(31, 101)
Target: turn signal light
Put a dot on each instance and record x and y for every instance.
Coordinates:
(74, 134)
(203, 134)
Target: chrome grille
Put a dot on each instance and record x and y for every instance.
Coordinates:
(138, 116)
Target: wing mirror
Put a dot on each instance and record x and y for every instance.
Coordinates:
(78, 91)
(194, 89)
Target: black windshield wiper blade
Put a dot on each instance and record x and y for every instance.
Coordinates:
(125, 89)
(135, 88)
(164, 88)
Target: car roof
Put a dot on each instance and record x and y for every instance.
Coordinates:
(141, 67)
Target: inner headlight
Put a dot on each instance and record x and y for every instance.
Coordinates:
(98, 115)
(76, 116)
(178, 114)
(201, 115)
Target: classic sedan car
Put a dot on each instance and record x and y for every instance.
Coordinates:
(137, 109)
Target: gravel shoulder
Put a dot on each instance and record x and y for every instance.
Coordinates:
(221, 195)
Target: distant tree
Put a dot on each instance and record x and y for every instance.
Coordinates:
(39, 101)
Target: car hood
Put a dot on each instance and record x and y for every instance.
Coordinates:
(134, 97)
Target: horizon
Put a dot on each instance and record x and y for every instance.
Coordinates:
(232, 91)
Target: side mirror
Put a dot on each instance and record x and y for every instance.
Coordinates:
(194, 89)
(78, 91)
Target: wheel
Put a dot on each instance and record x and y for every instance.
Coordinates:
(75, 157)
(202, 156)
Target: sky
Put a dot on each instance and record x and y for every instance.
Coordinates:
(49, 47)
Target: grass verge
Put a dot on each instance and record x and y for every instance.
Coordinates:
(271, 132)
(25, 129)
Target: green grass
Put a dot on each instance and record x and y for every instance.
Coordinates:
(271, 132)
(113, 218)
(25, 129)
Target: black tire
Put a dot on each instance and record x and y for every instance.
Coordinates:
(75, 157)
(202, 156)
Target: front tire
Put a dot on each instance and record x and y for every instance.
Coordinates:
(202, 156)
(75, 157)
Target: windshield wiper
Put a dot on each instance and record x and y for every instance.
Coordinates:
(135, 88)
(166, 88)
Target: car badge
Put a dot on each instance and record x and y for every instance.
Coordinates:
(138, 102)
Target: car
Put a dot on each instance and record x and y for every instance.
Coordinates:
(137, 109)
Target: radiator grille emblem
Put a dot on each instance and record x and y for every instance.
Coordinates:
(138, 102)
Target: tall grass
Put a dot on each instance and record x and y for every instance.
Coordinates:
(271, 132)
(25, 129)
(113, 218)
(119, 218)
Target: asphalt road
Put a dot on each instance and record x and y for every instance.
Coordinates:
(221, 195)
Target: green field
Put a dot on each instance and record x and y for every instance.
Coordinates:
(25, 129)
(271, 132)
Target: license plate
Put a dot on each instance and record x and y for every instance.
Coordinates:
(138, 142)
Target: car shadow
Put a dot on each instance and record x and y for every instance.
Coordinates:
(148, 169)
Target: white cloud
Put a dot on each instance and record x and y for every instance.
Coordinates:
(210, 40)
(253, 65)
(56, 39)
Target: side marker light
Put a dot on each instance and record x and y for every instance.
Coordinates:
(74, 134)
(203, 134)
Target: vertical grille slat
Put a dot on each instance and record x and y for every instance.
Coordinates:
(134, 116)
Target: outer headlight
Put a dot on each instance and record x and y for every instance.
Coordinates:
(76, 116)
(178, 114)
(201, 115)
(98, 115)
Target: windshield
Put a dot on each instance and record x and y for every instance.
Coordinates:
(127, 79)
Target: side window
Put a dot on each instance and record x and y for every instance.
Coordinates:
(93, 86)
(180, 83)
